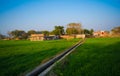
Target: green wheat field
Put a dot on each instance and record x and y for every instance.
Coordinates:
(19, 57)
(96, 57)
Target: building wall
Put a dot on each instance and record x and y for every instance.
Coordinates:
(67, 37)
(80, 36)
(73, 36)
(36, 37)
(101, 34)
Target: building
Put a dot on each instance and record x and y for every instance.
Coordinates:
(72, 36)
(80, 36)
(67, 37)
(41, 37)
(37, 37)
(100, 34)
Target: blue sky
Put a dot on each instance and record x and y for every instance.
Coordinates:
(45, 14)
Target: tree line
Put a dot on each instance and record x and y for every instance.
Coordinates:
(72, 29)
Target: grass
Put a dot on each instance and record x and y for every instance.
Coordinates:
(96, 57)
(19, 57)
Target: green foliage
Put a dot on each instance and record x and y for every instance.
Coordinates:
(91, 31)
(116, 30)
(96, 57)
(73, 28)
(86, 31)
(19, 57)
(18, 34)
(71, 31)
(2, 36)
(59, 30)
(31, 32)
(46, 33)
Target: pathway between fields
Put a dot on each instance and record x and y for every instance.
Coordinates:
(44, 68)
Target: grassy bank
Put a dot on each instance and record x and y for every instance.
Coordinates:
(19, 57)
(96, 57)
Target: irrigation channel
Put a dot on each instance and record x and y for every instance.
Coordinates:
(43, 69)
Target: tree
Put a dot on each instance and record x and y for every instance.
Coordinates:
(18, 34)
(31, 32)
(9, 34)
(46, 33)
(2, 36)
(74, 28)
(86, 31)
(116, 31)
(90, 32)
(38, 32)
(59, 30)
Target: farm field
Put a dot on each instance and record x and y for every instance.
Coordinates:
(96, 57)
(20, 57)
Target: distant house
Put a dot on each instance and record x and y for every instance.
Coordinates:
(80, 36)
(100, 34)
(72, 36)
(17, 38)
(37, 37)
(41, 37)
(67, 37)
(7, 38)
